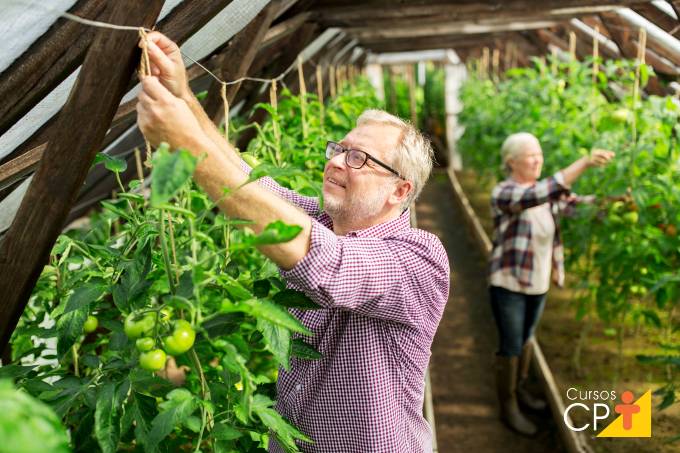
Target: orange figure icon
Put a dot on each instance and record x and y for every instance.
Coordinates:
(626, 409)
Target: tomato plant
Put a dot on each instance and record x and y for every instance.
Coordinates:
(167, 274)
(608, 244)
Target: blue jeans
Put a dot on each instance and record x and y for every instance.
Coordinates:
(516, 316)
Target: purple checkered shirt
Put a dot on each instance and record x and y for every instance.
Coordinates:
(383, 290)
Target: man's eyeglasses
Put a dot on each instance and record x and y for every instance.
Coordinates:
(355, 158)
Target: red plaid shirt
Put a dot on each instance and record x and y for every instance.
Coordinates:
(512, 231)
(383, 290)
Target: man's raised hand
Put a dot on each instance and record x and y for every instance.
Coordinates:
(167, 64)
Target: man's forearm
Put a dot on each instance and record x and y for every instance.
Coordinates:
(217, 171)
(209, 127)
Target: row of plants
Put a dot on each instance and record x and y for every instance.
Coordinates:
(624, 254)
(159, 326)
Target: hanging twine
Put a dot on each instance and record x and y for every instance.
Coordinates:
(331, 80)
(275, 124)
(225, 101)
(485, 62)
(596, 52)
(572, 45)
(140, 168)
(553, 60)
(303, 97)
(319, 92)
(495, 62)
(145, 70)
(642, 44)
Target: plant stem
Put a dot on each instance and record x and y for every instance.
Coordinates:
(172, 246)
(74, 353)
(166, 257)
(205, 394)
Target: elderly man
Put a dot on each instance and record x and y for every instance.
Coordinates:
(382, 284)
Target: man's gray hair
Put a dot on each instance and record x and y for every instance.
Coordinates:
(513, 147)
(414, 154)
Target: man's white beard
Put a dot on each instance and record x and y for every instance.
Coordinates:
(357, 207)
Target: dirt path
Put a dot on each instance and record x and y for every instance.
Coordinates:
(462, 353)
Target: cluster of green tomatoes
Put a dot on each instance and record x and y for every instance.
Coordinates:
(147, 328)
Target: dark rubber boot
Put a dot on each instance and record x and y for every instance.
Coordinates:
(523, 395)
(506, 384)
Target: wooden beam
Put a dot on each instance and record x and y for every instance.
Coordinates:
(658, 17)
(623, 35)
(283, 29)
(93, 101)
(342, 14)
(306, 34)
(454, 17)
(23, 165)
(446, 29)
(236, 59)
(430, 42)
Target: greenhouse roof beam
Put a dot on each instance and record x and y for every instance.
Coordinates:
(430, 42)
(236, 59)
(655, 15)
(655, 34)
(455, 18)
(606, 46)
(622, 35)
(447, 29)
(343, 14)
(26, 246)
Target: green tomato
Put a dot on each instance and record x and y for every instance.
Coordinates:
(614, 218)
(250, 159)
(617, 206)
(182, 338)
(135, 327)
(145, 344)
(631, 217)
(91, 324)
(644, 271)
(621, 115)
(153, 360)
(166, 314)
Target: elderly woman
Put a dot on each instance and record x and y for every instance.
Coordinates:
(527, 252)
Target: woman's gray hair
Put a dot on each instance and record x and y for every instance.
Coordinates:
(413, 159)
(513, 147)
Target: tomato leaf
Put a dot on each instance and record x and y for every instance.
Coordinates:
(292, 298)
(106, 418)
(112, 163)
(133, 282)
(277, 232)
(261, 308)
(69, 329)
(304, 350)
(278, 341)
(180, 404)
(170, 172)
(285, 433)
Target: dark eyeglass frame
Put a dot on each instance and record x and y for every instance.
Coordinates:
(331, 152)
